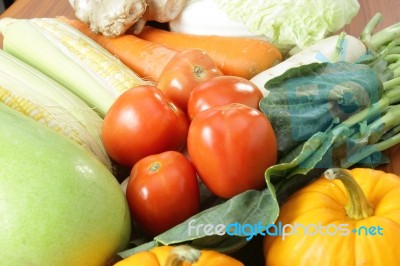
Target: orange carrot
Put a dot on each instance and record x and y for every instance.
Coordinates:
(145, 58)
(244, 57)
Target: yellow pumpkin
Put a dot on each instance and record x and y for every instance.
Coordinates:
(179, 256)
(353, 219)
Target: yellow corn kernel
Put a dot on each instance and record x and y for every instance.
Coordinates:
(40, 98)
(39, 114)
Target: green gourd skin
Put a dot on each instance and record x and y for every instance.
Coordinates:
(59, 205)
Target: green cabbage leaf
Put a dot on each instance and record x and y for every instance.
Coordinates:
(291, 24)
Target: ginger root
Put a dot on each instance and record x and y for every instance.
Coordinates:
(114, 17)
(160, 11)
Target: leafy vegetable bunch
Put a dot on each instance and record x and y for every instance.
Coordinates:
(350, 120)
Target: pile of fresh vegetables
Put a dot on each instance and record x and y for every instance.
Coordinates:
(211, 130)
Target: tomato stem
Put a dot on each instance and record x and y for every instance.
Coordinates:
(198, 71)
(181, 254)
(358, 206)
(154, 167)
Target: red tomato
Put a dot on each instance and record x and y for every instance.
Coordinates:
(162, 191)
(223, 90)
(143, 121)
(185, 71)
(231, 146)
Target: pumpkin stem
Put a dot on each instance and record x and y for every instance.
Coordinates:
(181, 254)
(358, 206)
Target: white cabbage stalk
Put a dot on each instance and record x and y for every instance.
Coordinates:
(203, 17)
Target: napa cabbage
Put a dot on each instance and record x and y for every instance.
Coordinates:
(291, 24)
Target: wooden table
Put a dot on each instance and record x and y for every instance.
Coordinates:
(252, 253)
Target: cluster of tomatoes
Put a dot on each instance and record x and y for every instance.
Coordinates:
(195, 108)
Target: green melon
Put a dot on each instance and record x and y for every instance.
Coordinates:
(58, 204)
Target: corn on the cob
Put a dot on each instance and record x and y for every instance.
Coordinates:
(37, 96)
(69, 57)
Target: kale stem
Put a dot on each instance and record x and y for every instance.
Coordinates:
(366, 34)
(396, 71)
(391, 83)
(394, 50)
(391, 96)
(366, 151)
(391, 125)
(381, 125)
(385, 50)
(384, 36)
(368, 58)
(393, 65)
(386, 144)
(392, 58)
(371, 111)
(396, 42)
(393, 131)
(394, 46)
